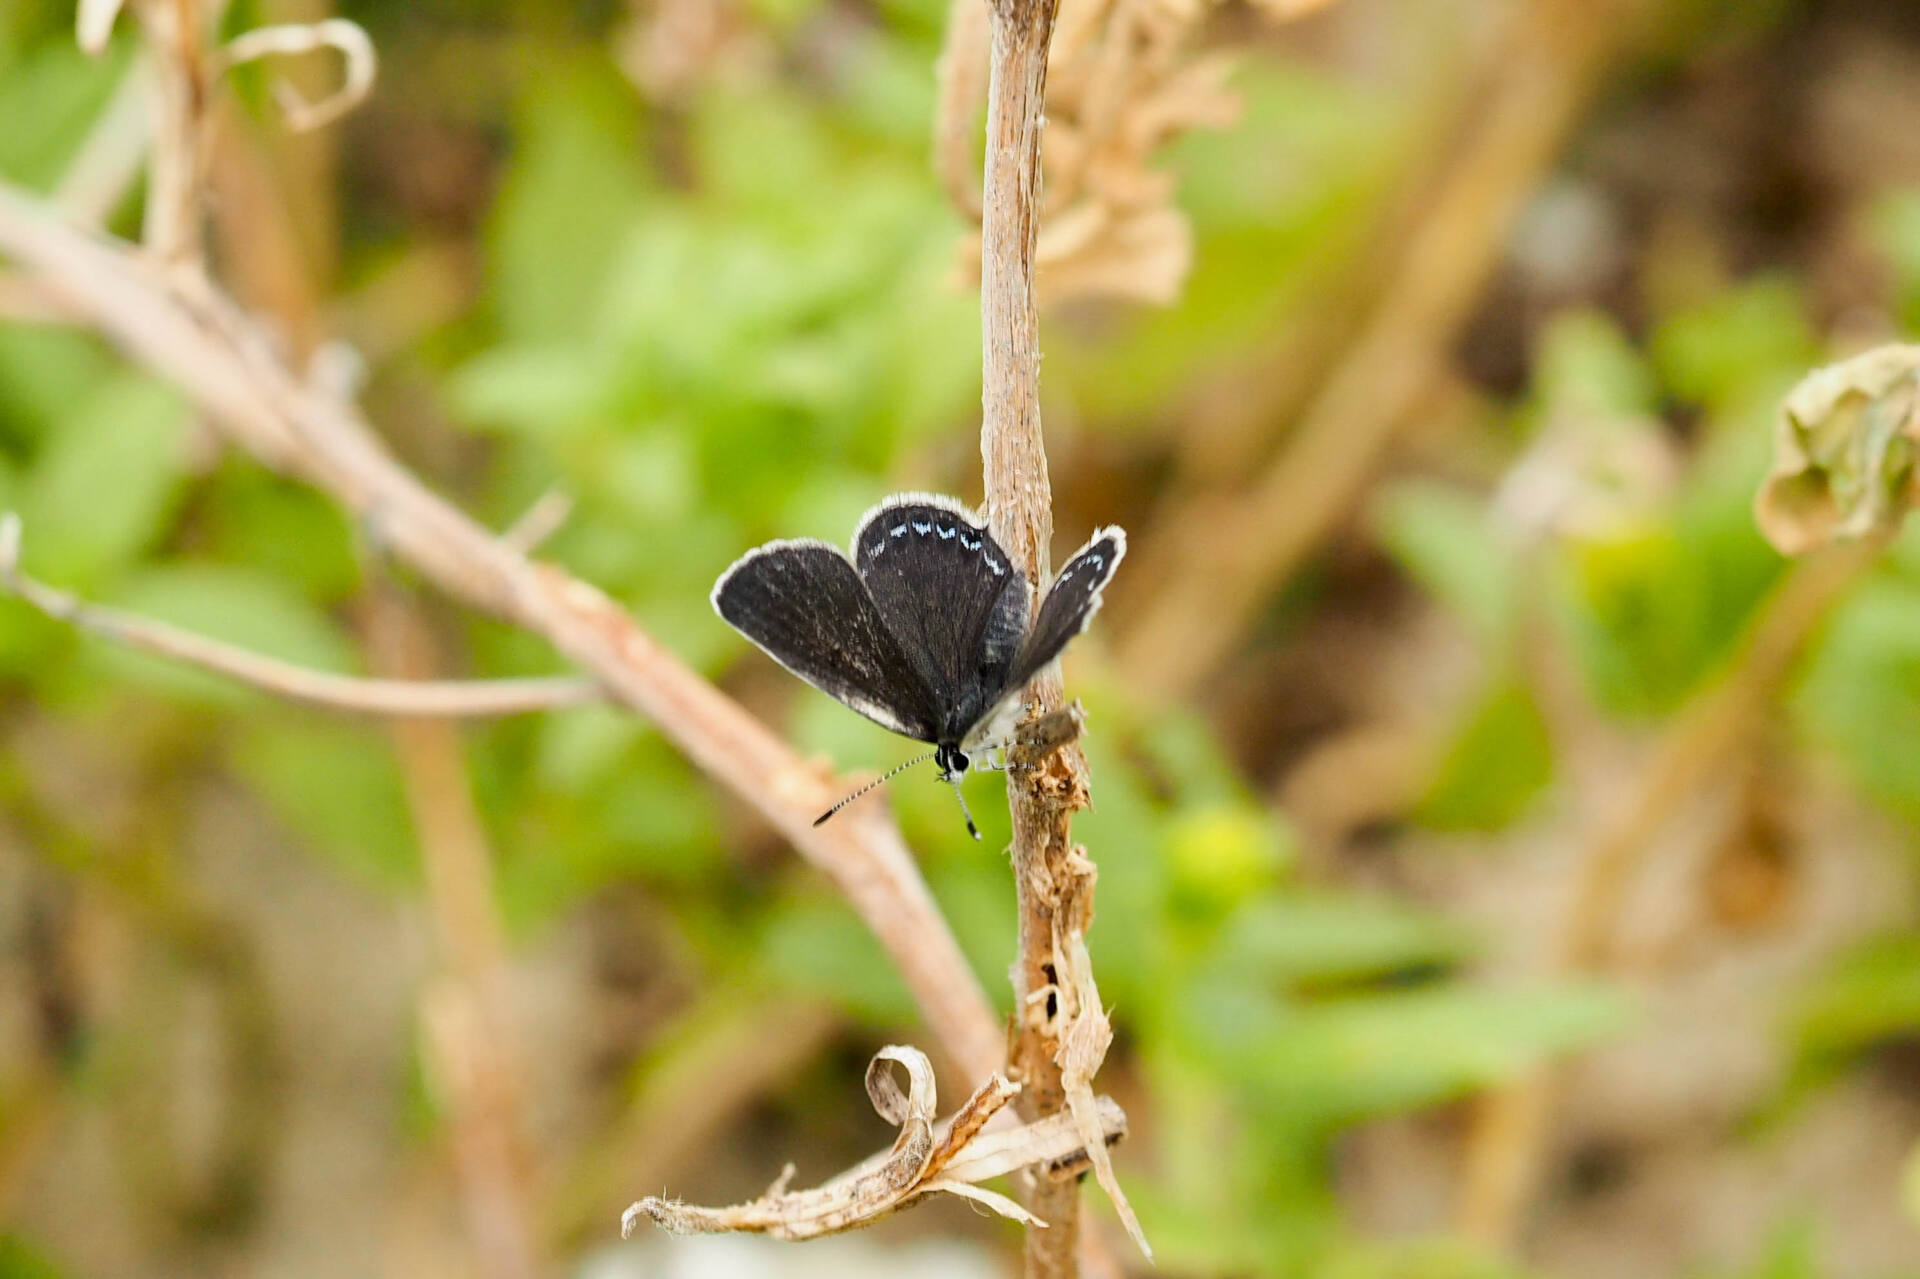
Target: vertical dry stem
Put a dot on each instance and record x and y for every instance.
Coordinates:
(1019, 504)
(176, 164)
(468, 1033)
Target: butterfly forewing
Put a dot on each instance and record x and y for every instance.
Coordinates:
(1070, 603)
(803, 603)
(951, 599)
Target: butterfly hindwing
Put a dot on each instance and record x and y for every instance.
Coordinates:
(802, 603)
(1070, 603)
(950, 597)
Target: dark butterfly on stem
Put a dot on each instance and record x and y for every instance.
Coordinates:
(925, 631)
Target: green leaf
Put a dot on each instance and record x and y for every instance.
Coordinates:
(1635, 616)
(19, 1260)
(540, 392)
(757, 149)
(54, 96)
(975, 894)
(632, 812)
(1716, 353)
(1587, 366)
(1442, 538)
(583, 745)
(1319, 939)
(1348, 1059)
(1868, 997)
(573, 189)
(265, 522)
(817, 945)
(1860, 695)
(1894, 225)
(1220, 855)
(338, 787)
(106, 482)
(1498, 762)
(44, 372)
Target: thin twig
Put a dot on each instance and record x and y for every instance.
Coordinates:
(198, 340)
(23, 301)
(1251, 539)
(428, 698)
(539, 522)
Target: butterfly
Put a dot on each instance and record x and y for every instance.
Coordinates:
(928, 628)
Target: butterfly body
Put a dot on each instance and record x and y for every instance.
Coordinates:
(928, 628)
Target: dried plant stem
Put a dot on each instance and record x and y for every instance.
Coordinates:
(177, 161)
(186, 333)
(1253, 538)
(435, 698)
(1019, 503)
(961, 73)
(1506, 1141)
(465, 1012)
(31, 1107)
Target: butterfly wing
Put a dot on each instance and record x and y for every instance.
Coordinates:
(803, 604)
(949, 596)
(1070, 603)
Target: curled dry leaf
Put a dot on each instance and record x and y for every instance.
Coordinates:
(347, 38)
(1844, 450)
(926, 1157)
(1122, 81)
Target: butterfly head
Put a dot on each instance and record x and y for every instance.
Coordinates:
(952, 762)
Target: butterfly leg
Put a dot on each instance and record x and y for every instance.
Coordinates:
(988, 764)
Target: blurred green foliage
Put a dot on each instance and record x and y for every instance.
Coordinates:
(732, 321)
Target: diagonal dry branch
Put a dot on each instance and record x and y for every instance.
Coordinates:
(179, 327)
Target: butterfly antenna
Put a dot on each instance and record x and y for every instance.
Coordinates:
(884, 777)
(971, 828)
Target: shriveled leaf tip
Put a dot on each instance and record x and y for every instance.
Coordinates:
(1844, 450)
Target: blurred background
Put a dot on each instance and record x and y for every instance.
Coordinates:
(1507, 861)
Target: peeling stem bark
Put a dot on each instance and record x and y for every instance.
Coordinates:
(1019, 504)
